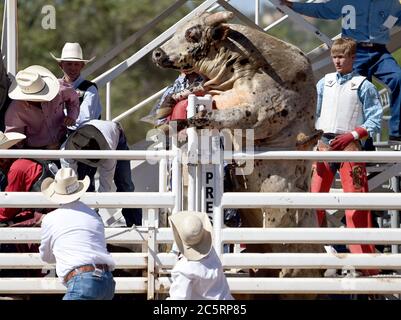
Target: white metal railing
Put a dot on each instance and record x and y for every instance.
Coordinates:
(161, 262)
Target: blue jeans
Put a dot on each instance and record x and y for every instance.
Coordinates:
(87, 286)
(124, 183)
(381, 64)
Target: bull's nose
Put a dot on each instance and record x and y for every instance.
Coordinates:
(158, 55)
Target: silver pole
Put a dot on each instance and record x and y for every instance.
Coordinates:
(11, 36)
(394, 214)
(108, 98)
(257, 11)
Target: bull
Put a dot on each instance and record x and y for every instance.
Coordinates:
(262, 83)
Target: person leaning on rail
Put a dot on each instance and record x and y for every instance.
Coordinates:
(198, 274)
(73, 237)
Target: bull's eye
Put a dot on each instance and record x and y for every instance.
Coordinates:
(193, 34)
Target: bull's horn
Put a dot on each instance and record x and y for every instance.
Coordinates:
(218, 17)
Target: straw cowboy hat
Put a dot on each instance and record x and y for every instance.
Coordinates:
(34, 83)
(72, 51)
(65, 187)
(8, 139)
(192, 233)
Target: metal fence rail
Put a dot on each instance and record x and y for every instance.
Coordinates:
(158, 264)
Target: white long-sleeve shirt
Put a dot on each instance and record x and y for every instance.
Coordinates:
(199, 280)
(72, 236)
(111, 132)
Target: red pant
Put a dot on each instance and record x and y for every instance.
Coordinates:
(353, 179)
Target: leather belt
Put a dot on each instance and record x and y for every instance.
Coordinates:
(329, 135)
(86, 268)
(371, 45)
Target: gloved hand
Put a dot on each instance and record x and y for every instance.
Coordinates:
(341, 141)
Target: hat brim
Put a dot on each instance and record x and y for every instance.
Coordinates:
(200, 250)
(12, 139)
(48, 191)
(90, 132)
(72, 59)
(48, 93)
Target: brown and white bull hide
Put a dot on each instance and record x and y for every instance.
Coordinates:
(262, 83)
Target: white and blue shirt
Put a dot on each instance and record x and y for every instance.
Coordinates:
(374, 18)
(90, 108)
(368, 97)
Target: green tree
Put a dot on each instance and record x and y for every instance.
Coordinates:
(99, 26)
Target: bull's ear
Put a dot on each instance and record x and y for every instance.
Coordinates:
(219, 32)
(218, 17)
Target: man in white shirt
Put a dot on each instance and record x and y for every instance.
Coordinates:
(73, 237)
(198, 274)
(105, 135)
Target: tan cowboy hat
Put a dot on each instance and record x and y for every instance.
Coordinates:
(34, 83)
(72, 51)
(65, 187)
(193, 234)
(87, 137)
(8, 139)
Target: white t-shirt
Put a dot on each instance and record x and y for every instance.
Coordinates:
(73, 236)
(199, 280)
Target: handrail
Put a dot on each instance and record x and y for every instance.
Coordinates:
(121, 67)
(140, 105)
(131, 40)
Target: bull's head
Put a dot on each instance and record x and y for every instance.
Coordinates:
(192, 41)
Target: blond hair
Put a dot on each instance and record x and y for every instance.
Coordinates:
(345, 46)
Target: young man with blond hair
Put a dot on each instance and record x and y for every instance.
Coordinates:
(348, 110)
(369, 23)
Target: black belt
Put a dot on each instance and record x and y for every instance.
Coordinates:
(371, 45)
(329, 135)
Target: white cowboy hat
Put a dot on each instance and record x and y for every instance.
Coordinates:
(192, 233)
(72, 51)
(87, 137)
(8, 139)
(34, 83)
(65, 187)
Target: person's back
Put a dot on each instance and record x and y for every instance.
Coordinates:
(40, 115)
(73, 237)
(75, 232)
(363, 21)
(208, 281)
(198, 274)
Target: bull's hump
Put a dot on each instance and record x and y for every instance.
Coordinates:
(232, 98)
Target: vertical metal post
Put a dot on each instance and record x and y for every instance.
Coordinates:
(192, 155)
(108, 99)
(4, 34)
(176, 175)
(394, 214)
(11, 36)
(152, 252)
(218, 194)
(162, 175)
(257, 11)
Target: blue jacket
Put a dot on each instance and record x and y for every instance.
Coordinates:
(370, 17)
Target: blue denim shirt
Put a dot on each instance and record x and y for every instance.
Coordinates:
(370, 16)
(371, 106)
(181, 83)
